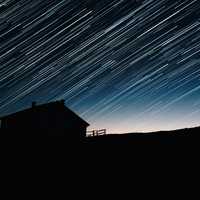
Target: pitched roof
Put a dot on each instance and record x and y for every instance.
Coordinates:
(47, 106)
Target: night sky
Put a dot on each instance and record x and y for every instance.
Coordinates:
(123, 65)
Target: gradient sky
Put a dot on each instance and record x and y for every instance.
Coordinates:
(123, 65)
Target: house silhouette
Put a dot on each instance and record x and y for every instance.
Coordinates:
(48, 119)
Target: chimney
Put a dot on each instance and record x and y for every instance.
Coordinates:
(33, 104)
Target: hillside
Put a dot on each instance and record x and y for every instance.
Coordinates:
(161, 137)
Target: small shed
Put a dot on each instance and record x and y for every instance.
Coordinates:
(48, 119)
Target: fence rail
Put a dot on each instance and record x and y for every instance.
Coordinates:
(96, 133)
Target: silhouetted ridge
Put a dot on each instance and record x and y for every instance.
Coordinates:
(148, 138)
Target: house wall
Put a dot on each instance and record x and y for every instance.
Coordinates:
(51, 122)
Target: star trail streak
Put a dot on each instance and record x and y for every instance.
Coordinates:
(124, 65)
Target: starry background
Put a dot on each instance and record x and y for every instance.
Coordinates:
(124, 65)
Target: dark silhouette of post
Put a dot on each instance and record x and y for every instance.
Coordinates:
(33, 104)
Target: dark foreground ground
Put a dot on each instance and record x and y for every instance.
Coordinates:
(164, 137)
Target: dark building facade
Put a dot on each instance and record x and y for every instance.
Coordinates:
(48, 119)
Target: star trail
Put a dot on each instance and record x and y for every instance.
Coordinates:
(123, 65)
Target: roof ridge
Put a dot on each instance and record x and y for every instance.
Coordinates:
(35, 107)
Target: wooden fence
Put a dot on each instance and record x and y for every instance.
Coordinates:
(96, 133)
